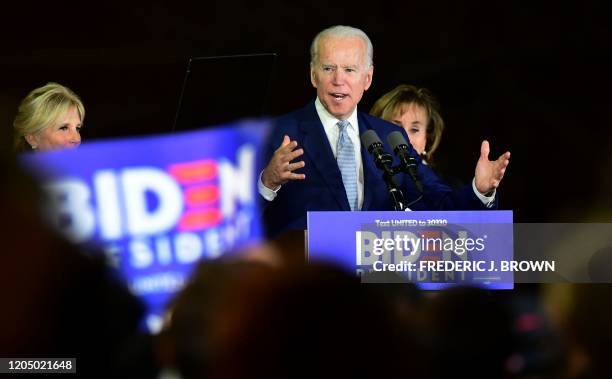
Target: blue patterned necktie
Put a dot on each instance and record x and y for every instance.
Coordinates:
(345, 155)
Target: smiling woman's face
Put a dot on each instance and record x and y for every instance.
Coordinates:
(65, 134)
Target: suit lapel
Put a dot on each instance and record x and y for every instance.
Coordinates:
(316, 146)
(369, 168)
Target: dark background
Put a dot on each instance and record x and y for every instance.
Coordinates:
(532, 78)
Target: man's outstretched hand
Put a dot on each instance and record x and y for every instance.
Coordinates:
(280, 169)
(490, 173)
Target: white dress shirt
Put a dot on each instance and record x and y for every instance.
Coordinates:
(330, 125)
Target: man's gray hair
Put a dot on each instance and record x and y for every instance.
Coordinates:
(342, 31)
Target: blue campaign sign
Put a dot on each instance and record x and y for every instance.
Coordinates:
(157, 205)
(431, 248)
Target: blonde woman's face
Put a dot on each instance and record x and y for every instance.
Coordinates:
(65, 134)
(413, 118)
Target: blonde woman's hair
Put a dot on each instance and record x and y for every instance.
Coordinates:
(403, 95)
(42, 108)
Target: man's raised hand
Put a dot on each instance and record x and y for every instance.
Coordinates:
(280, 169)
(490, 173)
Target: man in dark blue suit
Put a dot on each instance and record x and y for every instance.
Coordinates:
(335, 172)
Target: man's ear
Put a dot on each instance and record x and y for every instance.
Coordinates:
(32, 140)
(369, 76)
(313, 76)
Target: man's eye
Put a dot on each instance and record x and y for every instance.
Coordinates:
(328, 69)
(350, 70)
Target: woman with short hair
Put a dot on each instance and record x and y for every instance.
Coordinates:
(418, 112)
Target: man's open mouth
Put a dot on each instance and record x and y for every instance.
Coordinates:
(338, 96)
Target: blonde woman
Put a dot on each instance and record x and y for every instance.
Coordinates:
(49, 118)
(418, 112)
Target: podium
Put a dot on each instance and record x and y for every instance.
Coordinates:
(433, 249)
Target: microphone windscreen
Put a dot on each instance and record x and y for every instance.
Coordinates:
(396, 139)
(369, 138)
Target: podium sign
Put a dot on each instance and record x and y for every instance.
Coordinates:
(433, 249)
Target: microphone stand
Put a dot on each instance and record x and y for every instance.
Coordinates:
(396, 194)
(408, 164)
(383, 162)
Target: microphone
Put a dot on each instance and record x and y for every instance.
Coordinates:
(383, 162)
(409, 163)
(374, 146)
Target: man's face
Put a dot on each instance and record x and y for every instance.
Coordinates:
(341, 74)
